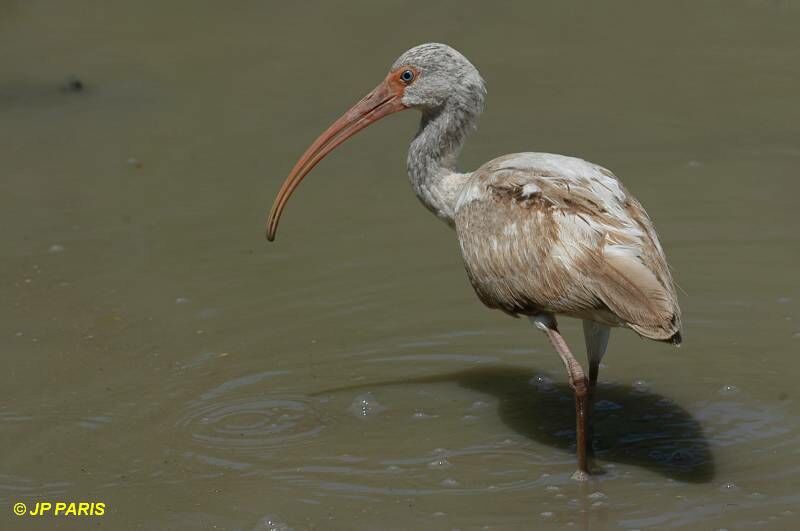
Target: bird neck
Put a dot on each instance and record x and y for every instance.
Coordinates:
(432, 158)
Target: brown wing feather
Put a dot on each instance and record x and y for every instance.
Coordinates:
(574, 242)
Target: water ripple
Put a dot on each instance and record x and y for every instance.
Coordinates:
(251, 424)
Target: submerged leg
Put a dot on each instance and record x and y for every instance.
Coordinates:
(596, 337)
(579, 384)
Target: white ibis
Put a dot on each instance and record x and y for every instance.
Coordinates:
(541, 235)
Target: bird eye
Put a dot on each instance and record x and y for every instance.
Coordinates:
(407, 76)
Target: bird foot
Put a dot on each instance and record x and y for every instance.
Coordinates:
(581, 475)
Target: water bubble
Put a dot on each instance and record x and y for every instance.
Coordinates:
(365, 405)
(393, 468)
(181, 300)
(552, 488)
(449, 482)
(728, 390)
(440, 463)
(478, 404)
(597, 495)
(419, 414)
(270, 523)
(469, 418)
(542, 383)
(546, 514)
(641, 386)
(56, 248)
(730, 486)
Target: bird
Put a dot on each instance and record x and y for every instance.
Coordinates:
(542, 235)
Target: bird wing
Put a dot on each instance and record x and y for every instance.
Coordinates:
(548, 233)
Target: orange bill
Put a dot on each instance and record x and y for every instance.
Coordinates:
(384, 100)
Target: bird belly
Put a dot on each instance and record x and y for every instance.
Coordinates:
(523, 268)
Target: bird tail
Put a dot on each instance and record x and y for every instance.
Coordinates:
(676, 339)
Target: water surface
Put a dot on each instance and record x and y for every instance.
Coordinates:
(161, 357)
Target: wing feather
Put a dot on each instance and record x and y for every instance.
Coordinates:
(547, 233)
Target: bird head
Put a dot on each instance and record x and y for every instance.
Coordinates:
(429, 77)
(437, 76)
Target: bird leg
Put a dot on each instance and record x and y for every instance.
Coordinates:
(596, 336)
(580, 387)
(594, 369)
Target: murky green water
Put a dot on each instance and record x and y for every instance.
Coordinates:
(161, 357)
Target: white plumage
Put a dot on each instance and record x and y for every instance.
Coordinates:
(541, 235)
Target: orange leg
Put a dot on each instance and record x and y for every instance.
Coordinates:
(580, 387)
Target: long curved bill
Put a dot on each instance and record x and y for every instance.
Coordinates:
(384, 100)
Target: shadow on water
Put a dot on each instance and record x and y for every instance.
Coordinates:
(632, 425)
